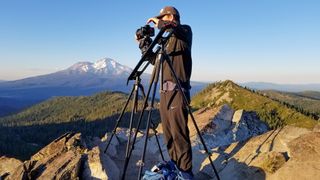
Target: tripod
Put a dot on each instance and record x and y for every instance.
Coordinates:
(135, 92)
(138, 70)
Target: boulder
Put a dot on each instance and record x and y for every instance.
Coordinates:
(304, 162)
(278, 154)
(246, 125)
(8, 166)
(228, 126)
(98, 165)
(61, 159)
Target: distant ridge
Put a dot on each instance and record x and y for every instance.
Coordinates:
(282, 87)
(306, 101)
(272, 112)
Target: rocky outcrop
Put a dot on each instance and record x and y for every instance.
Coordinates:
(61, 159)
(67, 157)
(286, 153)
(8, 166)
(304, 162)
(99, 166)
(228, 126)
(236, 148)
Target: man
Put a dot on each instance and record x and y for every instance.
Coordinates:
(173, 111)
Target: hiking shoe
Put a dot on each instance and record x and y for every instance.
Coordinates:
(169, 166)
(167, 169)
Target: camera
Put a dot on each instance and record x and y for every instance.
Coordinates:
(144, 35)
(145, 31)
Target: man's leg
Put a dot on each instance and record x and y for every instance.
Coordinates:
(164, 114)
(178, 117)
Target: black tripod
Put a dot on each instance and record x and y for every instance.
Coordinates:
(135, 91)
(161, 41)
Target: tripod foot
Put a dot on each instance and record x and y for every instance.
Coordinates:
(140, 163)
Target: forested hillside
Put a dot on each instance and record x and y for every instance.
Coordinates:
(25, 133)
(307, 102)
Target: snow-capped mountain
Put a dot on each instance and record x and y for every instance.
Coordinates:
(103, 67)
(82, 78)
(103, 73)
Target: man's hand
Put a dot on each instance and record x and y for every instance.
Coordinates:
(154, 20)
(136, 38)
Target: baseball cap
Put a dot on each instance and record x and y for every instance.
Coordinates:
(168, 10)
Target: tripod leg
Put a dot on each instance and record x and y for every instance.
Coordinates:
(149, 118)
(153, 126)
(134, 103)
(133, 110)
(119, 119)
(145, 103)
(185, 101)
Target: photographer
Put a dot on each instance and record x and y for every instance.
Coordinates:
(174, 114)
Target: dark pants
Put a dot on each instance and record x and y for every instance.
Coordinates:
(174, 117)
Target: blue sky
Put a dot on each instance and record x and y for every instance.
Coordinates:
(243, 40)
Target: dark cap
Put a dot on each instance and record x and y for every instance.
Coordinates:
(168, 10)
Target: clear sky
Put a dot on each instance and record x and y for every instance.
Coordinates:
(243, 40)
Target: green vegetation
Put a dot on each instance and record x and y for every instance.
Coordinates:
(307, 102)
(68, 109)
(274, 113)
(23, 134)
(310, 94)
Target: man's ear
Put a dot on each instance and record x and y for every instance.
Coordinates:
(171, 17)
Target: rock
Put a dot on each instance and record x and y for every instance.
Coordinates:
(201, 163)
(8, 166)
(99, 166)
(247, 124)
(237, 116)
(66, 142)
(272, 161)
(304, 162)
(203, 119)
(102, 143)
(251, 152)
(236, 170)
(278, 154)
(221, 121)
(237, 151)
(228, 126)
(152, 145)
(61, 159)
(317, 128)
(65, 166)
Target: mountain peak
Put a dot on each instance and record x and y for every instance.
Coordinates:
(103, 63)
(102, 67)
(80, 66)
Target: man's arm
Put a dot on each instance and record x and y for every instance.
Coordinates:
(182, 32)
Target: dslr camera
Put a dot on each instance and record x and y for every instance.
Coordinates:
(145, 31)
(144, 35)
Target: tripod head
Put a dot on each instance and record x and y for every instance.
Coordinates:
(158, 41)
